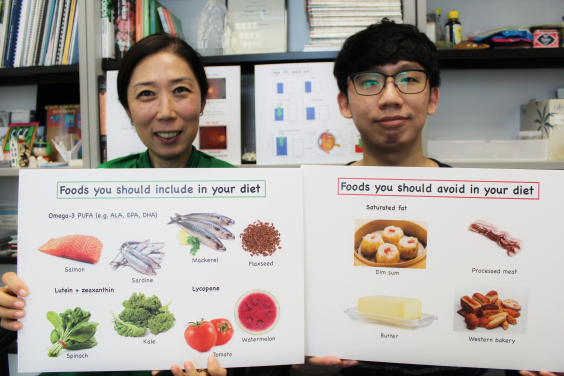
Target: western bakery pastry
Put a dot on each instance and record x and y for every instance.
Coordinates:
(392, 235)
(511, 304)
(387, 254)
(469, 304)
(492, 296)
(408, 247)
(471, 321)
(480, 298)
(370, 244)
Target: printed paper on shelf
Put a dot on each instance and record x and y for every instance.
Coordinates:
(296, 108)
(220, 126)
(504, 259)
(95, 213)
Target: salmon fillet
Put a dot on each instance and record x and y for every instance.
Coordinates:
(76, 247)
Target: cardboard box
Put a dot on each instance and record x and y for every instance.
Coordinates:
(548, 117)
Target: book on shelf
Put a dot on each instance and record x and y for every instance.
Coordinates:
(103, 128)
(154, 19)
(11, 35)
(68, 37)
(4, 27)
(138, 20)
(125, 26)
(108, 11)
(161, 11)
(146, 22)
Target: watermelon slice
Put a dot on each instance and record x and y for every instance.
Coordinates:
(257, 312)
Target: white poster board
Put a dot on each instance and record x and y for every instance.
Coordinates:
(298, 119)
(105, 210)
(437, 206)
(220, 123)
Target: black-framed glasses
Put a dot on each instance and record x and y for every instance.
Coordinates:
(409, 81)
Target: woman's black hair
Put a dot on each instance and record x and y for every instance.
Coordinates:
(151, 45)
(385, 43)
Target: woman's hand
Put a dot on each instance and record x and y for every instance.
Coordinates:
(213, 369)
(11, 307)
(541, 373)
(327, 365)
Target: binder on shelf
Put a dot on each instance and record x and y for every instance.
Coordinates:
(63, 33)
(40, 59)
(40, 32)
(12, 33)
(68, 37)
(22, 33)
(73, 54)
(4, 29)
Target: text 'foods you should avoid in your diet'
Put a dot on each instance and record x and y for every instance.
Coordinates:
(143, 256)
(390, 243)
(203, 228)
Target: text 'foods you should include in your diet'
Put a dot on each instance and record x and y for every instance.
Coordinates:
(203, 228)
(489, 311)
(143, 313)
(257, 312)
(391, 311)
(502, 238)
(390, 243)
(143, 256)
(75, 247)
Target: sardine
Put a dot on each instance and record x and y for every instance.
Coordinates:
(150, 249)
(145, 259)
(219, 231)
(137, 264)
(202, 234)
(212, 217)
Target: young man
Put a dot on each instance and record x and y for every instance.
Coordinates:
(388, 78)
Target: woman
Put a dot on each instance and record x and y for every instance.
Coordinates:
(162, 86)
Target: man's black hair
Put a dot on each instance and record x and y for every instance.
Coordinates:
(385, 43)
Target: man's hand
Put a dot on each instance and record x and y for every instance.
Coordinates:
(11, 307)
(541, 373)
(214, 369)
(320, 366)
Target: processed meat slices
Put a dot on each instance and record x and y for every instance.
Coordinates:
(502, 238)
(76, 247)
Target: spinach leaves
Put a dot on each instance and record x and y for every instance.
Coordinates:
(72, 331)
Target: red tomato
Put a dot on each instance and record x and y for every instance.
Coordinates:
(201, 335)
(224, 331)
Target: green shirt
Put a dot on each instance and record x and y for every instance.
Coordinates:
(197, 160)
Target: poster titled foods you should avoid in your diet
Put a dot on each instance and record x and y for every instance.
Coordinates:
(131, 270)
(452, 267)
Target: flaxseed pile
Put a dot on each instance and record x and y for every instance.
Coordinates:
(260, 239)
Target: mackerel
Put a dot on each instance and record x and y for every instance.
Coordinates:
(219, 231)
(212, 217)
(203, 235)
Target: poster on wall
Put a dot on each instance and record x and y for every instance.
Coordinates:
(429, 265)
(298, 119)
(219, 133)
(130, 272)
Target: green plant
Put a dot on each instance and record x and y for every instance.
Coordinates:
(141, 313)
(195, 243)
(543, 120)
(72, 331)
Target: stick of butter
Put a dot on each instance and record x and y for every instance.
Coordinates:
(391, 306)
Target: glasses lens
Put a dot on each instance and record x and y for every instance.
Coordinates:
(369, 83)
(411, 82)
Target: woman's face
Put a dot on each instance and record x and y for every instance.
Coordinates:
(164, 105)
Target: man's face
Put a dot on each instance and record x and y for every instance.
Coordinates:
(391, 120)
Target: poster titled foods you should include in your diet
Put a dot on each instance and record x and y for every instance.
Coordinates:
(129, 270)
(298, 119)
(219, 132)
(453, 267)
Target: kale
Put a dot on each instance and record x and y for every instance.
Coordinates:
(141, 313)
